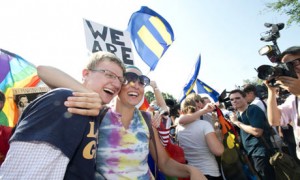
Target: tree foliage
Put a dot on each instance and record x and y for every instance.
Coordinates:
(289, 7)
(150, 96)
(255, 81)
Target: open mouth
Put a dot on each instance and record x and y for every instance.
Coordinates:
(108, 91)
(134, 94)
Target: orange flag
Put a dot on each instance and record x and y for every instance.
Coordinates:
(228, 131)
(144, 106)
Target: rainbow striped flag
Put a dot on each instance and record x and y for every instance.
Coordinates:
(15, 72)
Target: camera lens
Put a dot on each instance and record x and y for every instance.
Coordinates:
(266, 72)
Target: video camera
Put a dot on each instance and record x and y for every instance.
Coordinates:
(223, 98)
(267, 72)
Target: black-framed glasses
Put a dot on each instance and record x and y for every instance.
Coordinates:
(110, 75)
(295, 62)
(133, 77)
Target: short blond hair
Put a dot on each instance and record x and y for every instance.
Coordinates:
(100, 56)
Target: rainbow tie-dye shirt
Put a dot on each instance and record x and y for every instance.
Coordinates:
(123, 153)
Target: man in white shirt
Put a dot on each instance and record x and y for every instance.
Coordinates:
(288, 112)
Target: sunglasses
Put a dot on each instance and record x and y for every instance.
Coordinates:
(133, 77)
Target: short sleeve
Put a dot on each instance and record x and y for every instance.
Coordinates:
(208, 128)
(287, 110)
(256, 116)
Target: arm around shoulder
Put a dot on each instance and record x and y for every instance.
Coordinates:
(55, 78)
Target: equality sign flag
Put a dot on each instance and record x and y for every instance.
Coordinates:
(188, 88)
(103, 38)
(204, 88)
(15, 72)
(151, 35)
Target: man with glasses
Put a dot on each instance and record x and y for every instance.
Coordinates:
(288, 112)
(254, 133)
(50, 142)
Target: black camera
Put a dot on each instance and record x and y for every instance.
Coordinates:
(267, 72)
(223, 98)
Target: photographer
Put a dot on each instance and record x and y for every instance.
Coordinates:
(288, 112)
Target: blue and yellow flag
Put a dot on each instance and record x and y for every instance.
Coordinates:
(151, 35)
(204, 88)
(188, 88)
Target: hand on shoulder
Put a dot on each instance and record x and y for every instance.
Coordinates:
(87, 104)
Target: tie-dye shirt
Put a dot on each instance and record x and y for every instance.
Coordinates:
(122, 153)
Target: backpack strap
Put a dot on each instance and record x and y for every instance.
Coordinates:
(272, 133)
(148, 122)
(102, 113)
(263, 103)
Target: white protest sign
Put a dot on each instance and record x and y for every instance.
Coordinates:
(103, 38)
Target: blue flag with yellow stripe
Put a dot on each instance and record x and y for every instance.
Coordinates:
(188, 88)
(151, 35)
(204, 88)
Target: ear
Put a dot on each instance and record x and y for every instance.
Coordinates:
(85, 73)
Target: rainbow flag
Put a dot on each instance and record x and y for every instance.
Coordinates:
(15, 72)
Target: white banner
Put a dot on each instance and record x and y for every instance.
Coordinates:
(103, 38)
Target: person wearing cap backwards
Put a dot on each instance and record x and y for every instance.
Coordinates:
(124, 139)
(288, 112)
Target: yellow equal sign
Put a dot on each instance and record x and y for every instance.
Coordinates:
(150, 41)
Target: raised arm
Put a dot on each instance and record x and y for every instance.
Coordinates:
(158, 96)
(55, 78)
(273, 112)
(84, 101)
(189, 118)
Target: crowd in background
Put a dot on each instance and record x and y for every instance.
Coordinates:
(119, 144)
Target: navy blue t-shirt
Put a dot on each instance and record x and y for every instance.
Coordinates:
(47, 119)
(255, 117)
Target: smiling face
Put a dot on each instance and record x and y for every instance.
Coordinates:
(105, 83)
(132, 93)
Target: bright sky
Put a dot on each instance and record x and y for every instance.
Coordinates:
(225, 33)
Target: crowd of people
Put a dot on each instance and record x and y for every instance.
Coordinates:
(95, 130)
